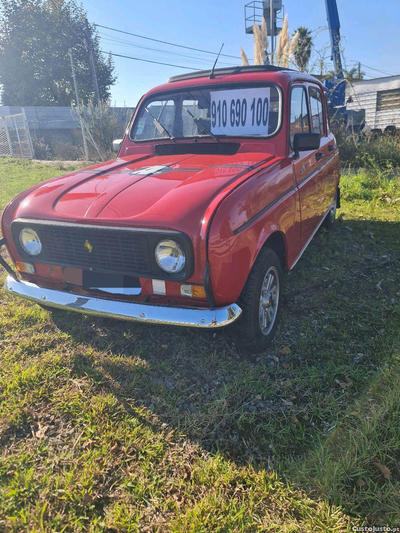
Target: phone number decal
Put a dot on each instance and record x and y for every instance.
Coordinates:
(240, 111)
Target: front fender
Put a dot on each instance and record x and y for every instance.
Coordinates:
(271, 205)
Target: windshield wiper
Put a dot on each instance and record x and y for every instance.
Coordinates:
(200, 125)
(160, 128)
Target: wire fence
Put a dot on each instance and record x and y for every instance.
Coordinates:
(15, 138)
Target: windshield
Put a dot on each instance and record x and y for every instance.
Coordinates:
(209, 111)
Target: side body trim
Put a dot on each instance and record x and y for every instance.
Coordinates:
(312, 236)
(280, 197)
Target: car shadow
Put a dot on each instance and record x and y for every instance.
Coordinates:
(338, 327)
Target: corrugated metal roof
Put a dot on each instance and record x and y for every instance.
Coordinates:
(53, 117)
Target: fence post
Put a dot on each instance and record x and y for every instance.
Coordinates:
(28, 133)
(18, 137)
(8, 137)
(85, 147)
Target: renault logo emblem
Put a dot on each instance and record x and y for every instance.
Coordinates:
(88, 246)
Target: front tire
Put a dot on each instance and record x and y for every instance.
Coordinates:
(260, 301)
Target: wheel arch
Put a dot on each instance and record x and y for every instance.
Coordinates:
(277, 242)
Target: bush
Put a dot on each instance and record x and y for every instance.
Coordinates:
(367, 150)
(41, 149)
(101, 127)
(68, 152)
(370, 185)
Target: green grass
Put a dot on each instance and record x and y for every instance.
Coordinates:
(17, 175)
(110, 426)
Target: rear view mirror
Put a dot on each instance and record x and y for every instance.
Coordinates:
(303, 142)
(116, 145)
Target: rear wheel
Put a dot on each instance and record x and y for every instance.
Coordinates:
(260, 301)
(330, 217)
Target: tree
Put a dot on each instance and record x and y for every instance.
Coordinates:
(354, 73)
(102, 125)
(35, 66)
(349, 75)
(302, 51)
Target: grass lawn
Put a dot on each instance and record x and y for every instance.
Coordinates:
(111, 426)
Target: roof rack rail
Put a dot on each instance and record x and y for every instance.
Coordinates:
(226, 71)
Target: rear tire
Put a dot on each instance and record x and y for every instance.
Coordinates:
(260, 302)
(330, 217)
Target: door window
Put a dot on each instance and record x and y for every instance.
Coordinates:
(317, 111)
(299, 116)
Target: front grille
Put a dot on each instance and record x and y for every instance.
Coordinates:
(127, 251)
(103, 249)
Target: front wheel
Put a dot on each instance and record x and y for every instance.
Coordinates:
(260, 301)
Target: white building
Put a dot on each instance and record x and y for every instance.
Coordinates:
(380, 98)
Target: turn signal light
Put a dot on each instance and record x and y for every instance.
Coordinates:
(194, 291)
(25, 268)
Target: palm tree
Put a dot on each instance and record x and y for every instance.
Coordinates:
(302, 51)
(354, 74)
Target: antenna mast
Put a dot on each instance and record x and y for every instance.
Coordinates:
(215, 62)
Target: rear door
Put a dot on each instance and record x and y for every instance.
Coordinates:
(305, 166)
(325, 166)
(328, 167)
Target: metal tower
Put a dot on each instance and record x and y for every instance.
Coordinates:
(271, 10)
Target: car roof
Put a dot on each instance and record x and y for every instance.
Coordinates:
(239, 74)
(227, 71)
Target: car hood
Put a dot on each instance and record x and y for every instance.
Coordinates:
(148, 191)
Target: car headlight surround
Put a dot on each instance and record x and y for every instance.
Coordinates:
(170, 256)
(30, 241)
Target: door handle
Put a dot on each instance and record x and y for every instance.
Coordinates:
(331, 147)
(319, 156)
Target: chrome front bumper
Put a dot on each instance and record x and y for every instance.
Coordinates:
(137, 312)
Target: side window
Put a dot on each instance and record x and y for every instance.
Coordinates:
(299, 117)
(317, 111)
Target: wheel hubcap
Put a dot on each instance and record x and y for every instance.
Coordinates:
(269, 300)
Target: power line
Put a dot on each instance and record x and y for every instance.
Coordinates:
(107, 38)
(145, 60)
(372, 68)
(165, 42)
(376, 70)
(379, 71)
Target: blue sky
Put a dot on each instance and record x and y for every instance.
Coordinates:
(370, 30)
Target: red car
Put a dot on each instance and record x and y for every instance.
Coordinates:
(221, 182)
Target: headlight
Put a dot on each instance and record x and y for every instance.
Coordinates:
(30, 241)
(170, 256)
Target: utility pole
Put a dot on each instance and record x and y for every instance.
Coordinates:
(359, 70)
(85, 146)
(89, 48)
(272, 26)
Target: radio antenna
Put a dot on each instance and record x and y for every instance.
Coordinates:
(215, 63)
